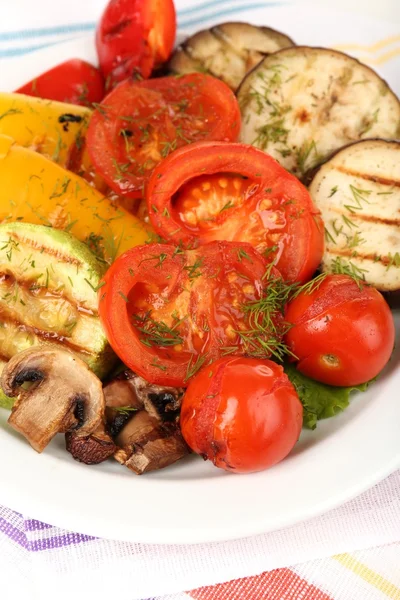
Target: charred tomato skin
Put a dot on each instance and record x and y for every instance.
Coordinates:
(134, 36)
(241, 413)
(342, 332)
(75, 81)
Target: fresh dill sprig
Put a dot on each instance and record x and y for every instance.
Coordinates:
(265, 319)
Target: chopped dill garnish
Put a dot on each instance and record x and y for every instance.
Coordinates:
(241, 253)
(125, 410)
(156, 363)
(346, 267)
(194, 269)
(195, 365)
(228, 205)
(394, 260)
(157, 333)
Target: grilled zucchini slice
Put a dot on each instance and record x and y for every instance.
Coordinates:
(302, 103)
(227, 51)
(358, 194)
(48, 283)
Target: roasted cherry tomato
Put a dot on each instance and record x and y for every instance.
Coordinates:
(216, 191)
(140, 123)
(167, 311)
(241, 413)
(343, 331)
(134, 37)
(74, 81)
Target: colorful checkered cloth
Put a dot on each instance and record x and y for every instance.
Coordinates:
(351, 553)
(326, 557)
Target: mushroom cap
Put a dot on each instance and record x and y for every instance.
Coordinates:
(64, 396)
(92, 449)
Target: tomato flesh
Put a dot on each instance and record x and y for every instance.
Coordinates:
(134, 37)
(141, 123)
(242, 414)
(343, 332)
(215, 191)
(75, 81)
(167, 311)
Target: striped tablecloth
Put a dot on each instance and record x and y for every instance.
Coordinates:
(351, 553)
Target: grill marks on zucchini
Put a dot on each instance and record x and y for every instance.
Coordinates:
(301, 104)
(227, 51)
(358, 193)
(27, 333)
(43, 249)
(48, 283)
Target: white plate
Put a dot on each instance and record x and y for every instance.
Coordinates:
(192, 501)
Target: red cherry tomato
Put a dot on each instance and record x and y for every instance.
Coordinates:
(243, 414)
(343, 332)
(74, 81)
(140, 123)
(168, 311)
(215, 191)
(134, 37)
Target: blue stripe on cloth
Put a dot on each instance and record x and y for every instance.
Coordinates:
(206, 5)
(228, 11)
(183, 21)
(8, 36)
(10, 52)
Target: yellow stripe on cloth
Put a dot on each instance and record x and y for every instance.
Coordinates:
(369, 54)
(372, 577)
(372, 47)
(380, 60)
(384, 57)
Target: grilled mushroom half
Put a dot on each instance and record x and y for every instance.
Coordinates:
(143, 421)
(63, 395)
(91, 449)
(146, 444)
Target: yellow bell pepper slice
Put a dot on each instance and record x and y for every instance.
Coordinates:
(51, 128)
(36, 190)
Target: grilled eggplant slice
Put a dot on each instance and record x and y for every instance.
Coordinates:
(358, 194)
(48, 282)
(302, 103)
(227, 51)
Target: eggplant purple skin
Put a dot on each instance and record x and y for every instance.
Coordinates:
(333, 52)
(218, 31)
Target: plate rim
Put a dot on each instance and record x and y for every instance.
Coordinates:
(70, 519)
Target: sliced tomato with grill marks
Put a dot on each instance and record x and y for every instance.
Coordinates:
(140, 123)
(168, 311)
(223, 191)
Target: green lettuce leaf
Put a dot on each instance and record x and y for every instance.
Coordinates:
(320, 401)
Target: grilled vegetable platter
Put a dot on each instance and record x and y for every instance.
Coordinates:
(197, 243)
